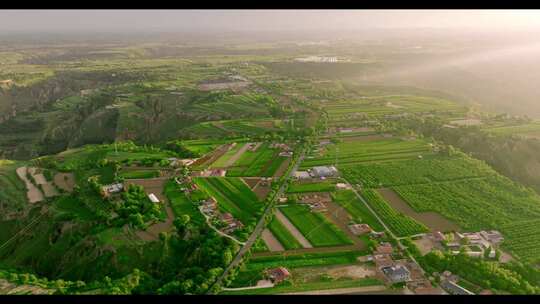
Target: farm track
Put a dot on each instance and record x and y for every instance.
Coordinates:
(307, 250)
(352, 290)
(292, 229)
(271, 241)
(236, 156)
(257, 231)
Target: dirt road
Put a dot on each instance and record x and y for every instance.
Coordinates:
(271, 242)
(352, 290)
(297, 234)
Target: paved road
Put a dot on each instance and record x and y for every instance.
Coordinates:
(258, 229)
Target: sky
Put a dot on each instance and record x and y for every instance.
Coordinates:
(265, 20)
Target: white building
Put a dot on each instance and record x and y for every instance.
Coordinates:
(153, 198)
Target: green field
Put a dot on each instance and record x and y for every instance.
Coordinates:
(348, 200)
(263, 162)
(133, 174)
(400, 224)
(319, 231)
(419, 171)
(233, 196)
(299, 187)
(283, 235)
(180, 204)
(523, 129)
(352, 152)
(493, 202)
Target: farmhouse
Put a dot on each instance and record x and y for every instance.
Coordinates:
(359, 229)
(209, 205)
(285, 154)
(324, 171)
(341, 186)
(231, 224)
(313, 198)
(302, 175)
(317, 207)
(153, 198)
(384, 248)
(278, 275)
(383, 260)
(397, 274)
(112, 188)
(492, 236)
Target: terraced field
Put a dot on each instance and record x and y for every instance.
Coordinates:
(315, 227)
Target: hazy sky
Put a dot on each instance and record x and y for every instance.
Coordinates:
(232, 20)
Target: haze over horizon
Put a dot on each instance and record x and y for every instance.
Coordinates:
(263, 20)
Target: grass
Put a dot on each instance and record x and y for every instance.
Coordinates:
(400, 224)
(233, 196)
(139, 174)
(356, 208)
(315, 227)
(283, 235)
(325, 186)
(180, 204)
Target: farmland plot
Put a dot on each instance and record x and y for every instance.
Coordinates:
(389, 149)
(399, 223)
(233, 196)
(315, 227)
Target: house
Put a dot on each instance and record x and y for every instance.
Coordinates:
(324, 171)
(315, 198)
(396, 274)
(384, 248)
(226, 217)
(278, 275)
(492, 236)
(209, 205)
(283, 199)
(232, 226)
(377, 235)
(317, 207)
(285, 154)
(302, 175)
(438, 236)
(454, 289)
(153, 198)
(342, 186)
(112, 188)
(359, 229)
(383, 260)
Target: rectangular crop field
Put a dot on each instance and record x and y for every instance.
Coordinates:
(233, 196)
(315, 227)
(325, 186)
(283, 235)
(139, 174)
(356, 208)
(400, 224)
(353, 152)
(180, 204)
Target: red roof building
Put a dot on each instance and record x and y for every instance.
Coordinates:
(277, 275)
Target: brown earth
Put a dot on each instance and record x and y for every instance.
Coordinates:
(339, 216)
(271, 242)
(33, 193)
(432, 220)
(281, 170)
(64, 181)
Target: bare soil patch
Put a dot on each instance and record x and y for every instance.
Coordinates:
(271, 242)
(65, 181)
(251, 181)
(339, 216)
(33, 193)
(292, 229)
(432, 220)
